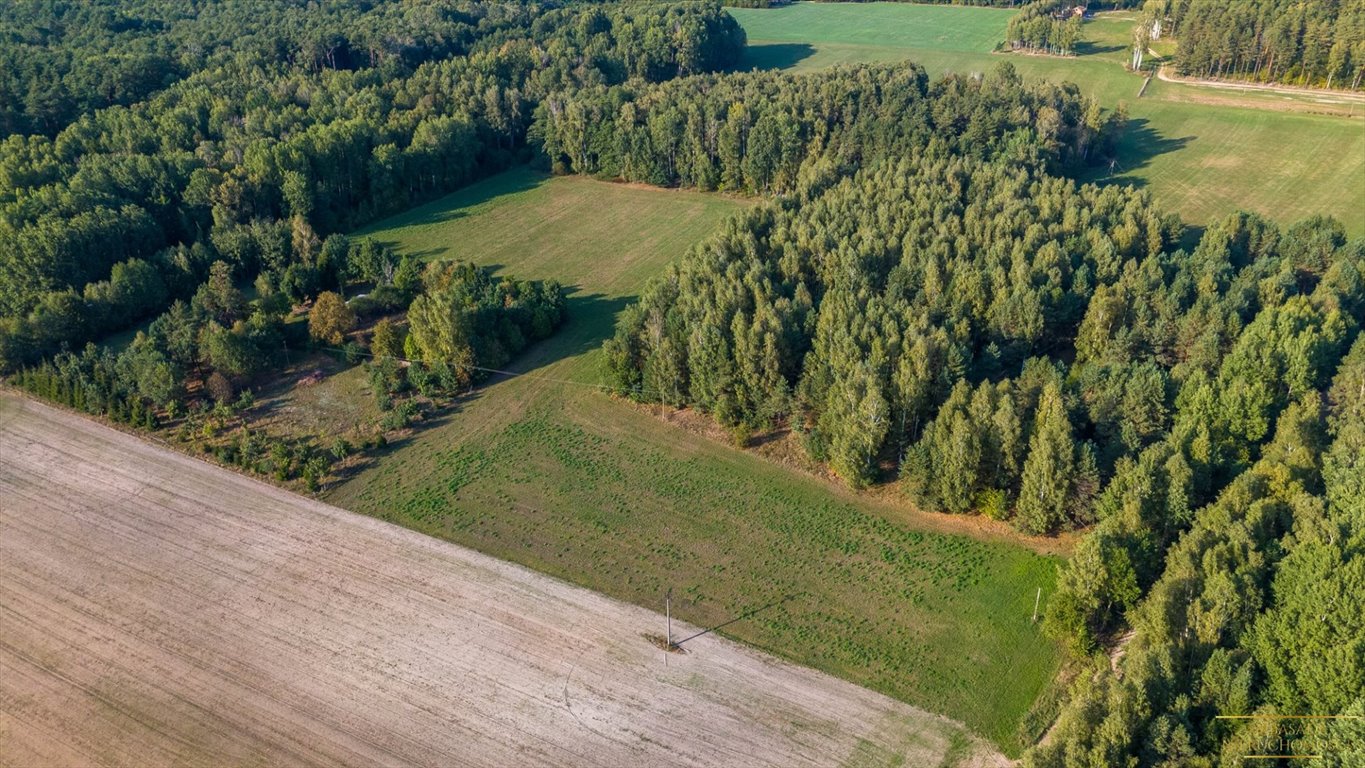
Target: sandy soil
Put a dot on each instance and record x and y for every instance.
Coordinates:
(157, 610)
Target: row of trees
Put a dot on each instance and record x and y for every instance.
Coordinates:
(255, 163)
(756, 132)
(1282, 41)
(1047, 26)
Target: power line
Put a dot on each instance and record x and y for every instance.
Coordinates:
(500, 372)
(471, 367)
(741, 617)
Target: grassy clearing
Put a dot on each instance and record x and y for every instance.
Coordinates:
(1203, 152)
(877, 25)
(340, 404)
(548, 471)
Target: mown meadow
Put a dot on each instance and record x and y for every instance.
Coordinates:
(548, 470)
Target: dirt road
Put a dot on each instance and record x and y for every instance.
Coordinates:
(1321, 95)
(156, 610)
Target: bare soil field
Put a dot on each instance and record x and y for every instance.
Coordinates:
(156, 610)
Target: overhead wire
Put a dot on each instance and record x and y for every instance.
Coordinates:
(606, 388)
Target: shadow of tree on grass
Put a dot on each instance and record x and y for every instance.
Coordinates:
(775, 55)
(1136, 148)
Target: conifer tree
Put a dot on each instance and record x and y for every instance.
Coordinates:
(1046, 485)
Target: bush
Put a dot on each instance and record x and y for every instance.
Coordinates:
(330, 319)
(218, 387)
(994, 503)
(340, 448)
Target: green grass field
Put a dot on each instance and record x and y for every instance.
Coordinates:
(1203, 152)
(547, 470)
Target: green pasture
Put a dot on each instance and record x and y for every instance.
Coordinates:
(547, 470)
(1203, 152)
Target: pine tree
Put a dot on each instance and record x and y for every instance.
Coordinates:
(1048, 472)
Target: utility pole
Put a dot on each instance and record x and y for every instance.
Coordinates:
(1036, 598)
(668, 612)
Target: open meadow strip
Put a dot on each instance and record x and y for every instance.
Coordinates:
(156, 610)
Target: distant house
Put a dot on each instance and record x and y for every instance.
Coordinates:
(1069, 11)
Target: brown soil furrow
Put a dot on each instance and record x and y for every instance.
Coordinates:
(157, 610)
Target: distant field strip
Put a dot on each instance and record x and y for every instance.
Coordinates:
(939, 27)
(156, 610)
(1204, 151)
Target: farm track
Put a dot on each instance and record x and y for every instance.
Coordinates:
(157, 610)
(1322, 95)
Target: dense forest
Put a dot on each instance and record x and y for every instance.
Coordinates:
(942, 311)
(1282, 41)
(855, 304)
(753, 132)
(925, 296)
(254, 161)
(1234, 549)
(62, 59)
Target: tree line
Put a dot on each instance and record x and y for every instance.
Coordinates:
(254, 162)
(755, 132)
(1048, 26)
(1275, 41)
